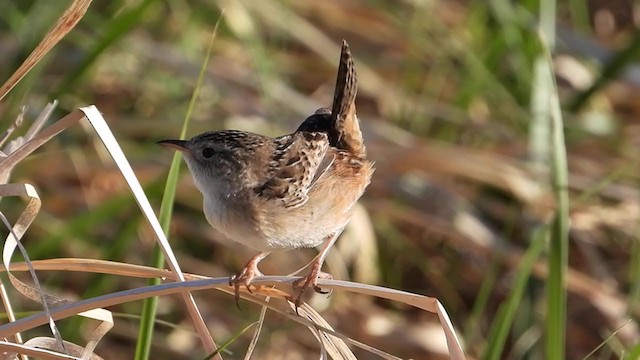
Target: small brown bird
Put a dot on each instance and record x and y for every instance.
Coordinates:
(293, 191)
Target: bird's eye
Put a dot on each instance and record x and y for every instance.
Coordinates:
(207, 152)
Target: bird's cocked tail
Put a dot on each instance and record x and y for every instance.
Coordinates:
(344, 130)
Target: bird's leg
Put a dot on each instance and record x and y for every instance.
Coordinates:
(246, 275)
(311, 280)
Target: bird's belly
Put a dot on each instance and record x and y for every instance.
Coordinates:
(304, 230)
(309, 232)
(267, 225)
(235, 223)
(277, 229)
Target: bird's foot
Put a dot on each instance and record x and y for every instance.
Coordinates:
(244, 277)
(310, 281)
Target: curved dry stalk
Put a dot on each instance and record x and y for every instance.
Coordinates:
(8, 347)
(13, 241)
(36, 293)
(72, 349)
(262, 283)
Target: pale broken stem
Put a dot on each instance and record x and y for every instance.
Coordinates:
(14, 144)
(15, 157)
(37, 125)
(256, 334)
(16, 123)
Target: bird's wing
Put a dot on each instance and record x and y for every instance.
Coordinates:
(298, 161)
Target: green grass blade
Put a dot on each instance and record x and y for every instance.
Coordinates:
(548, 123)
(472, 328)
(230, 341)
(502, 324)
(145, 334)
(559, 239)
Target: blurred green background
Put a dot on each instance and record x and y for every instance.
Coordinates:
(449, 102)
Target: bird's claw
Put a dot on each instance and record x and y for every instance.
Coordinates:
(310, 281)
(244, 278)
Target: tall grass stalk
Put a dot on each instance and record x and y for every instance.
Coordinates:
(145, 334)
(559, 239)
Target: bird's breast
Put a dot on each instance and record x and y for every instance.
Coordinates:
(232, 215)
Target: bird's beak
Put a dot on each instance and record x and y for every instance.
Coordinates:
(179, 145)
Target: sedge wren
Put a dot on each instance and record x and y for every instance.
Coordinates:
(288, 192)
